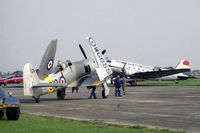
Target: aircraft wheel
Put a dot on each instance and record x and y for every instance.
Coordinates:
(133, 84)
(13, 113)
(1, 113)
(61, 94)
(103, 94)
(62, 97)
(37, 100)
(176, 82)
(59, 98)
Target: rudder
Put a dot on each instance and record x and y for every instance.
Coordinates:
(183, 64)
(30, 78)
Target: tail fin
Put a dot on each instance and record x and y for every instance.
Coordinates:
(47, 61)
(103, 70)
(30, 79)
(183, 64)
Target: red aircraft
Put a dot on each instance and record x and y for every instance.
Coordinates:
(12, 79)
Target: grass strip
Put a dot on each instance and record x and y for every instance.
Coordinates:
(30, 123)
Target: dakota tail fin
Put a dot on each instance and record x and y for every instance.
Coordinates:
(30, 78)
(103, 70)
(183, 64)
(47, 61)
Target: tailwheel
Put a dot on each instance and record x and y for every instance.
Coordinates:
(103, 94)
(37, 100)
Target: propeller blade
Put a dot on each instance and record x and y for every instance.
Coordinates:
(123, 70)
(103, 52)
(83, 52)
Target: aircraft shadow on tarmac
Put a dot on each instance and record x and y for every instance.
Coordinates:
(27, 101)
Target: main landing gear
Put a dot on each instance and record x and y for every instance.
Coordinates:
(61, 94)
(105, 87)
(103, 94)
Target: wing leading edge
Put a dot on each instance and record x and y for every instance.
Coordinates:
(157, 74)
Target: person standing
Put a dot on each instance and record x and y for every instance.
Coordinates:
(124, 85)
(117, 83)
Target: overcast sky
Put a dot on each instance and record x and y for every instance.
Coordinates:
(150, 32)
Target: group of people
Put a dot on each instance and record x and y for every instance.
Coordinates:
(118, 83)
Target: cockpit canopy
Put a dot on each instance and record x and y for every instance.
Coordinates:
(62, 65)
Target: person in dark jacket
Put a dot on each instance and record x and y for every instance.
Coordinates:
(117, 83)
(93, 92)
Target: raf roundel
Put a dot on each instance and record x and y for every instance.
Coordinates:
(50, 64)
(55, 81)
(62, 80)
(92, 42)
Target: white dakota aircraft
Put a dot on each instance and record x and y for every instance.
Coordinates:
(139, 71)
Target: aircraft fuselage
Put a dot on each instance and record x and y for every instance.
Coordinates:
(69, 75)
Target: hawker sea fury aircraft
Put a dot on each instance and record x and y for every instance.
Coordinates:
(87, 72)
(138, 71)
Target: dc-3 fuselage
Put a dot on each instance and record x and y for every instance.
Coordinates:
(87, 72)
